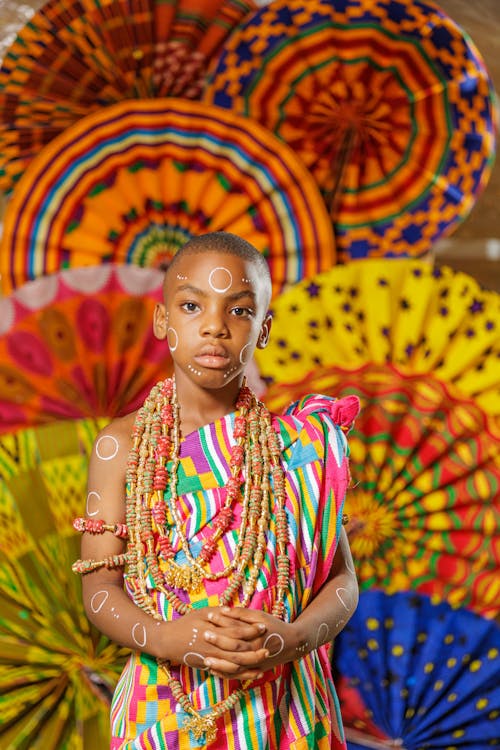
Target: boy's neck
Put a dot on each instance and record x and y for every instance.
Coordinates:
(200, 406)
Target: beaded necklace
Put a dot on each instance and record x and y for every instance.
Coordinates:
(254, 459)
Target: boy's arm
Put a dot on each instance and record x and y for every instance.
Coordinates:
(333, 606)
(106, 603)
(319, 623)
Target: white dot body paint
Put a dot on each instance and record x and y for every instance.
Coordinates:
(93, 498)
(281, 641)
(106, 447)
(322, 635)
(139, 634)
(245, 354)
(224, 275)
(339, 593)
(172, 332)
(193, 637)
(98, 600)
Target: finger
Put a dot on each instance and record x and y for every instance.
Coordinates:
(229, 670)
(250, 659)
(243, 614)
(245, 629)
(225, 639)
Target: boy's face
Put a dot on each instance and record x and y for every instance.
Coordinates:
(215, 314)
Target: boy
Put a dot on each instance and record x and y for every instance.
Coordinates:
(236, 572)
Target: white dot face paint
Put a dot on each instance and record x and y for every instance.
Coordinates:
(139, 634)
(342, 595)
(322, 635)
(245, 354)
(230, 372)
(106, 447)
(220, 279)
(98, 601)
(93, 499)
(172, 339)
(274, 644)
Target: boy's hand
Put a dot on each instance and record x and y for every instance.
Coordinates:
(205, 637)
(276, 639)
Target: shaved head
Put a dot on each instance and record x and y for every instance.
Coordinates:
(230, 244)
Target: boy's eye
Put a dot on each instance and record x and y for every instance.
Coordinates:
(189, 306)
(241, 312)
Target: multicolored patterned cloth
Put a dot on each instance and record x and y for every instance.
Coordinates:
(294, 706)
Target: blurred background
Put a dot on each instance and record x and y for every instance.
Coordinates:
(363, 302)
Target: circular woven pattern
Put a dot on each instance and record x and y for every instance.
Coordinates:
(389, 104)
(57, 673)
(77, 56)
(133, 182)
(419, 675)
(79, 343)
(424, 505)
(421, 318)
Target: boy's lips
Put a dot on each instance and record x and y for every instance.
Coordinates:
(212, 356)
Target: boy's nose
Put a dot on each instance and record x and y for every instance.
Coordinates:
(214, 325)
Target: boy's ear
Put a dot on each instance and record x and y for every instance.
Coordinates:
(160, 321)
(265, 332)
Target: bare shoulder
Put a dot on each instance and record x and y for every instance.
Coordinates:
(111, 448)
(119, 428)
(106, 485)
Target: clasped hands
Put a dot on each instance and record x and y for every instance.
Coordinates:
(232, 643)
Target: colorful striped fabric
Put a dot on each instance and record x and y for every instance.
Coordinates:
(294, 706)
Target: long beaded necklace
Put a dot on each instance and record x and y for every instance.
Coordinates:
(156, 443)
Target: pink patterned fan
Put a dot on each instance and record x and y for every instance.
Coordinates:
(79, 343)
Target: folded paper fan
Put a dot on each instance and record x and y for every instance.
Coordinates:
(57, 672)
(134, 181)
(79, 343)
(77, 56)
(389, 105)
(418, 317)
(415, 674)
(424, 505)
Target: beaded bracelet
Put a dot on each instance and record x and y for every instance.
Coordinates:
(94, 526)
(87, 566)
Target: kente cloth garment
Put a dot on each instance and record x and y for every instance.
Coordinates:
(292, 706)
